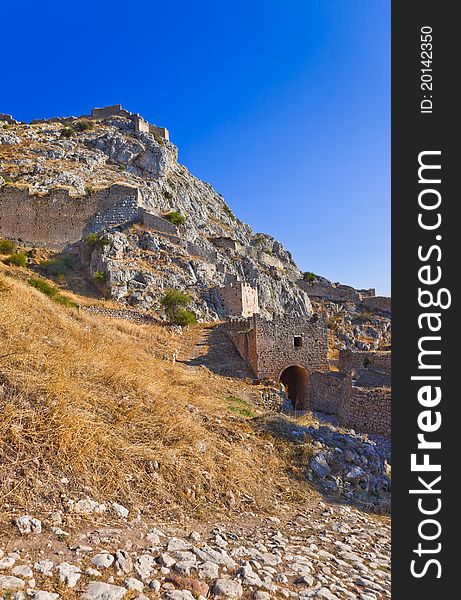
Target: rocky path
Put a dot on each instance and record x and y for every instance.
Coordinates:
(210, 347)
(326, 552)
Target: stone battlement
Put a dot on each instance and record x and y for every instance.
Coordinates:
(140, 124)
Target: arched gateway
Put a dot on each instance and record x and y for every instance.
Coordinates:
(296, 382)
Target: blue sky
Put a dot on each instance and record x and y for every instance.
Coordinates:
(284, 107)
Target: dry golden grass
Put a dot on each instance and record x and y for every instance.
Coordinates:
(89, 398)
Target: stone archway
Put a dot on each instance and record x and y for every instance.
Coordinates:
(295, 380)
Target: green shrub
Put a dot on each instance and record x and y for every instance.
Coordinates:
(99, 277)
(17, 259)
(83, 125)
(50, 291)
(7, 246)
(175, 217)
(67, 132)
(240, 407)
(228, 211)
(311, 278)
(184, 317)
(59, 265)
(366, 362)
(43, 286)
(5, 126)
(174, 303)
(95, 239)
(174, 299)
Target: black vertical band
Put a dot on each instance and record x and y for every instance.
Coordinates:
(425, 128)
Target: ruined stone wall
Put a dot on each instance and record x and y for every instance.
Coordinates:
(382, 303)
(160, 131)
(350, 360)
(109, 111)
(207, 254)
(239, 299)
(320, 289)
(245, 343)
(367, 410)
(58, 219)
(276, 347)
(327, 390)
(157, 223)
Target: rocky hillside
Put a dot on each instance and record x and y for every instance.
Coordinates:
(124, 474)
(83, 155)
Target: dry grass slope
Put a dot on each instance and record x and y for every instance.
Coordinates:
(90, 399)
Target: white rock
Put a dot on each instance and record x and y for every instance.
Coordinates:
(133, 584)
(123, 562)
(59, 531)
(166, 560)
(145, 565)
(9, 583)
(45, 567)
(68, 574)
(27, 525)
(7, 563)
(93, 572)
(153, 538)
(183, 567)
(88, 506)
(208, 570)
(22, 571)
(43, 595)
(120, 510)
(177, 544)
(155, 585)
(97, 590)
(227, 588)
(103, 560)
(179, 595)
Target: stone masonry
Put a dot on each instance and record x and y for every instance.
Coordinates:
(140, 124)
(270, 347)
(350, 360)
(58, 219)
(359, 394)
(240, 299)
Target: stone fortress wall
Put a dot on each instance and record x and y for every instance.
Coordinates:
(58, 219)
(140, 124)
(116, 110)
(359, 394)
(326, 290)
(350, 360)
